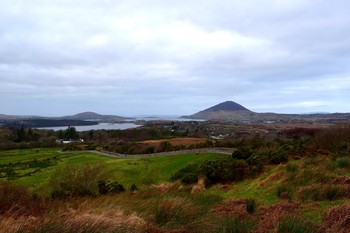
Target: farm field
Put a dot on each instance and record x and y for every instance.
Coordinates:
(33, 167)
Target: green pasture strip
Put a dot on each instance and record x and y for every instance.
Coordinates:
(40, 178)
(24, 155)
(154, 169)
(128, 171)
(261, 188)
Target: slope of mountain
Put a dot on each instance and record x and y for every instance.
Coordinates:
(37, 123)
(92, 116)
(228, 110)
(226, 106)
(18, 117)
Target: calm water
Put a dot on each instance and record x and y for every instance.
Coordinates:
(96, 127)
(159, 118)
(121, 125)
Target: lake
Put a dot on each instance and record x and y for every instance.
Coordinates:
(160, 118)
(127, 125)
(96, 127)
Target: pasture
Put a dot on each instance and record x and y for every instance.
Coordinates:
(33, 167)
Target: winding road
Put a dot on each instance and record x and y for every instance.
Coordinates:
(219, 150)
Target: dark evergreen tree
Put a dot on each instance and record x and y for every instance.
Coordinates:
(21, 134)
(71, 133)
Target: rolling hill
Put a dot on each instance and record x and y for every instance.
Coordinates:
(92, 116)
(84, 118)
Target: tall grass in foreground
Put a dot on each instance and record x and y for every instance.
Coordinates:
(77, 180)
(235, 225)
(174, 212)
(295, 224)
(15, 200)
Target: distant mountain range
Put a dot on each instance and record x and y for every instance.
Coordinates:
(227, 111)
(79, 116)
(84, 118)
(92, 116)
(233, 112)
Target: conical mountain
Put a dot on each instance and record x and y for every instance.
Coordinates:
(223, 111)
(226, 106)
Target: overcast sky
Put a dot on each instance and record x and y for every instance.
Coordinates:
(132, 57)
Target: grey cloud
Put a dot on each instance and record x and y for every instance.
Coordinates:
(149, 57)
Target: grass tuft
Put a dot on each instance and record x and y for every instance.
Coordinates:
(251, 205)
(174, 212)
(295, 224)
(235, 225)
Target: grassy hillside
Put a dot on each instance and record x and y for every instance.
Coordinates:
(291, 184)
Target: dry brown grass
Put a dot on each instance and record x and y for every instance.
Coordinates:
(337, 219)
(268, 217)
(277, 176)
(199, 187)
(232, 208)
(15, 200)
(79, 215)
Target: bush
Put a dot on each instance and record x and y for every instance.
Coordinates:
(256, 163)
(278, 156)
(187, 175)
(133, 188)
(105, 187)
(242, 153)
(343, 162)
(72, 181)
(224, 170)
(115, 187)
(215, 171)
(295, 224)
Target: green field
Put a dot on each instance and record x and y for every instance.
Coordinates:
(33, 167)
